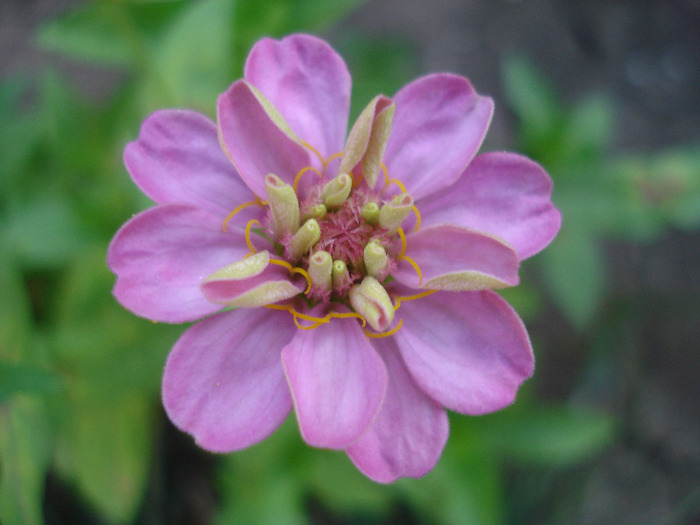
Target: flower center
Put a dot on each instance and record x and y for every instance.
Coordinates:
(345, 239)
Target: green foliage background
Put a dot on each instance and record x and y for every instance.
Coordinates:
(80, 376)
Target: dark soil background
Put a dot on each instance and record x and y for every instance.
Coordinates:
(647, 55)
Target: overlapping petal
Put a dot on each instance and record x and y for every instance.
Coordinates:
(256, 139)
(410, 432)
(337, 380)
(456, 258)
(223, 380)
(177, 159)
(160, 257)
(439, 124)
(469, 351)
(250, 282)
(309, 83)
(504, 194)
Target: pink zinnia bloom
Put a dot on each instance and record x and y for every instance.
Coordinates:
(352, 276)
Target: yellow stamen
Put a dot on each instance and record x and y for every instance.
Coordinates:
(343, 315)
(315, 152)
(400, 298)
(415, 267)
(239, 208)
(303, 272)
(247, 235)
(301, 172)
(302, 327)
(332, 157)
(389, 182)
(418, 219)
(385, 334)
(403, 242)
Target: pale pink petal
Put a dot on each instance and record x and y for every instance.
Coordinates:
(256, 144)
(308, 83)
(337, 380)
(177, 159)
(438, 127)
(223, 380)
(161, 256)
(410, 432)
(503, 194)
(469, 351)
(457, 259)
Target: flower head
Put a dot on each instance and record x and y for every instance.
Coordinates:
(349, 278)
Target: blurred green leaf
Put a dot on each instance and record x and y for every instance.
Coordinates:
(588, 129)
(22, 378)
(44, 232)
(104, 448)
(15, 313)
(574, 271)
(548, 436)
(106, 32)
(25, 453)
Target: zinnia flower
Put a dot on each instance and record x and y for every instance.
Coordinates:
(352, 276)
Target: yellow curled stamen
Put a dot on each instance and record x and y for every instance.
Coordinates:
(303, 272)
(284, 307)
(302, 327)
(385, 334)
(247, 235)
(239, 208)
(400, 298)
(343, 315)
(388, 182)
(403, 242)
(301, 172)
(315, 152)
(332, 157)
(418, 219)
(415, 267)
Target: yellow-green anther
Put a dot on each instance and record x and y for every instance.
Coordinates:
(305, 238)
(370, 212)
(370, 300)
(375, 258)
(317, 211)
(284, 205)
(340, 273)
(320, 268)
(336, 192)
(392, 214)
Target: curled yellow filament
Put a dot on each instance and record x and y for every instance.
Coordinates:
(301, 172)
(247, 235)
(391, 332)
(240, 207)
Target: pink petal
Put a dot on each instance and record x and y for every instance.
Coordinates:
(223, 380)
(467, 350)
(504, 194)
(457, 259)
(308, 83)
(410, 432)
(268, 284)
(177, 159)
(161, 256)
(439, 124)
(337, 380)
(255, 143)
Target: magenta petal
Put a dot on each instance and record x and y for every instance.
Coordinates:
(160, 257)
(410, 432)
(337, 380)
(467, 350)
(177, 159)
(438, 127)
(256, 144)
(223, 380)
(308, 83)
(457, 259)
(504, 194)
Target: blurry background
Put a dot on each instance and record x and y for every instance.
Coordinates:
(605, 94)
